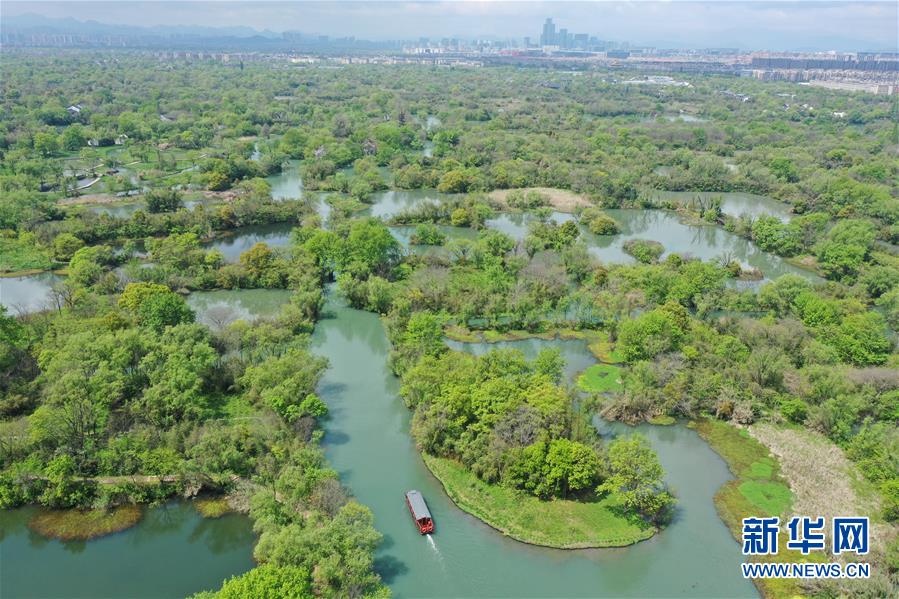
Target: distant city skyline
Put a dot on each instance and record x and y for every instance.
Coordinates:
(796, 25)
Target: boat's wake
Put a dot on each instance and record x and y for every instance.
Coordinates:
(433, 545)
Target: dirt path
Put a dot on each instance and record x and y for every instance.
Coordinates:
(86, 185)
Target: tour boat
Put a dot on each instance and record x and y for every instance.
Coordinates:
(419, 510)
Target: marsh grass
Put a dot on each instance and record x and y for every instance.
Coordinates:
(81, 525)
(212, 507)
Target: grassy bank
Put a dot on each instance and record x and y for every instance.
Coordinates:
(17, 256)
(757, 490)
(560, 523)
(601, 378)
(81, 525)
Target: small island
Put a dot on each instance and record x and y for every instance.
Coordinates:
(560, 523)
(515, 447)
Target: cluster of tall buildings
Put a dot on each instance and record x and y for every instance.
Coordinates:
(564, 39)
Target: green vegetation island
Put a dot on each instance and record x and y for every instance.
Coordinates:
(529, 270)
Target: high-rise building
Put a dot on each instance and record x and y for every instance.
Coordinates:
(549, 34)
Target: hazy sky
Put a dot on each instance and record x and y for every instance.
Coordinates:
(747, 24)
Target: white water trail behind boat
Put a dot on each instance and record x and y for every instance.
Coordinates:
(433, 545)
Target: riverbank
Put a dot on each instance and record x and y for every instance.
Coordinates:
(560, 523)
(757, 490)
(21, 258)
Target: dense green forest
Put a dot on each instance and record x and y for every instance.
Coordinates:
(118, 379)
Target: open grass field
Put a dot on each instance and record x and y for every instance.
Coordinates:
(560, 523)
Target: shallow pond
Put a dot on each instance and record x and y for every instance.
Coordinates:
(126, 208)
(21, 295)
(404, 233)
(732, 203)
(515, 224)
(367, 441)
(171, 552)
(240, 240)
(706, 242)
(217, 309)
(389, 203)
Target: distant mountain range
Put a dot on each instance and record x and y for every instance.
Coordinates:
(32, 23)
(36, 30)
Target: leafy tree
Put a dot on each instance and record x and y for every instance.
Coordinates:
(369, 248)
(163, 200)
(134, 294)
(287, 383)
(645, 251)
(649, 335)
(265, 581)
(555, 469)
(861, 339)
(636, 476)
(178, 371)
(62, 490)
(160, 310)
(88, 265)
(65, 245)
(73, 138)
(46, 144)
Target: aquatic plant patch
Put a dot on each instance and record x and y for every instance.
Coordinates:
(601, 378)
(81, 525)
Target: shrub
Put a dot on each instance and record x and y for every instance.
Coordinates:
(644, 250)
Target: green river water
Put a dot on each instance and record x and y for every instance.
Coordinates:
(173, 552)
(367, 441)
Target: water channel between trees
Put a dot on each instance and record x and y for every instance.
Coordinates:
(367, 440)
(173, 552)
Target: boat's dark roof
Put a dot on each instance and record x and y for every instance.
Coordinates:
(417, 502)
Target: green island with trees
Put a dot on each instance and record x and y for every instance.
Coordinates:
(116, 394)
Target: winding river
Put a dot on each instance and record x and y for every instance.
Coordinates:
(367, 440)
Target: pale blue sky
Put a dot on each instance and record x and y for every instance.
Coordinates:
(747, 24)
